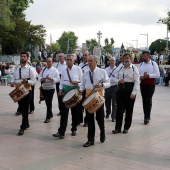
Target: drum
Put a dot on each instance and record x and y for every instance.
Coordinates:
(72, 98)
(19, 93)
(93, 102)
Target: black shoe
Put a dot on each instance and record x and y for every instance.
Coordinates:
(113, 120)
(73, 133)
(102, 137)
(146, 121)
(125, 131)
(59, 114)
(51, 116)
(31, 112)
(116, 131)
(47, 121)
(107, 116)
(88, 143)
(85, 125)
(27, 127)
(17, 113)
(58, 135)
(21, 132)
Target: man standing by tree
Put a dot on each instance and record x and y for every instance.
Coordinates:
(148, 71)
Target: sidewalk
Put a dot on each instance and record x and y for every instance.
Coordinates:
(145, 147)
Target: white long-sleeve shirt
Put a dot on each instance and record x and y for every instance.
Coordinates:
(84, 66)
(26, 72)
(75, 74)
(151, 68)
(60, 67)
(51, 72)
(111, 73)
(98, 76)
(129, 74)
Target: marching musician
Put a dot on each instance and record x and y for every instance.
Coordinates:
(84, 66)
(48, 77)
(95, 79)
(128, 83)
(70, 79)
(24, 74)
(110, 93)
(60, 66)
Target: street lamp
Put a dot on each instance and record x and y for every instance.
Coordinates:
(147, 40)
(68, 44)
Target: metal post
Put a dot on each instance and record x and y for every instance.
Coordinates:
(167, 39)
(147, 40)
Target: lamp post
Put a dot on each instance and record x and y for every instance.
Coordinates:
(147, 40)
(136, 43)
(68, 44)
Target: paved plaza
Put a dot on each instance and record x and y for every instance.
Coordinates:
(145, 147)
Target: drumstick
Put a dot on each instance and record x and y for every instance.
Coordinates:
(94, 87)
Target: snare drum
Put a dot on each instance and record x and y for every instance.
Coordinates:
(72, 98)
(19, 93)
(93, 102)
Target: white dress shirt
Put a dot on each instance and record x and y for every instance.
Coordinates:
(60, 67)
(98, 76)
(84, 66)
(75, 74)
(51, 72)
(151, 68)
(111, 73)
(129, 74)
(26, 72)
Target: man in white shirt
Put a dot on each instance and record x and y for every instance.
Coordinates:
(92, 80)
(49, 76)
(110, 93)
(25, 75)
(128, 82)
(61, 65)
(71, 78)
(148, 71)
(84, 66)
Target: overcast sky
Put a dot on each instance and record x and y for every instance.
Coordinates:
(124, 20)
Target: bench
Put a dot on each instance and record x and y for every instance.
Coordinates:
(5, 80)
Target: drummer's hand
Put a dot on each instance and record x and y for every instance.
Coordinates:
(12, 84)
(24, 81)
(49, 78)
(60, 92)
(80, 92)
(74, 83)
(122, 81)
(98, 85)
(132, 96)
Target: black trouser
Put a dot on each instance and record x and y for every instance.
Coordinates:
(147, 91)
(82, 110)
(64, 118)
(59, 97)
(32, 107)
(110, 100)
(124, 103)
(23, 108)
(48, 96)
(91, 123)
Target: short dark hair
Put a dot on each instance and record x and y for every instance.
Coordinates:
(126, 54)
(146, 52)
(25, 54)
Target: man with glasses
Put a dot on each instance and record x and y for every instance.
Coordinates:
(70, 79)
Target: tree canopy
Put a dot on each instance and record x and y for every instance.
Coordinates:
(68, 42)
(108, 46)
(91, 44)
(166, 20)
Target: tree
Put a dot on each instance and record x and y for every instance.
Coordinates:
(23, 36)
(108, 46)
(55, 47)
(91, 44)
(158, 46)
(68, 42)
(166, 20)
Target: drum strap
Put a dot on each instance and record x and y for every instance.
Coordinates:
(112, 72)
(20, 73)
(69, 75)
